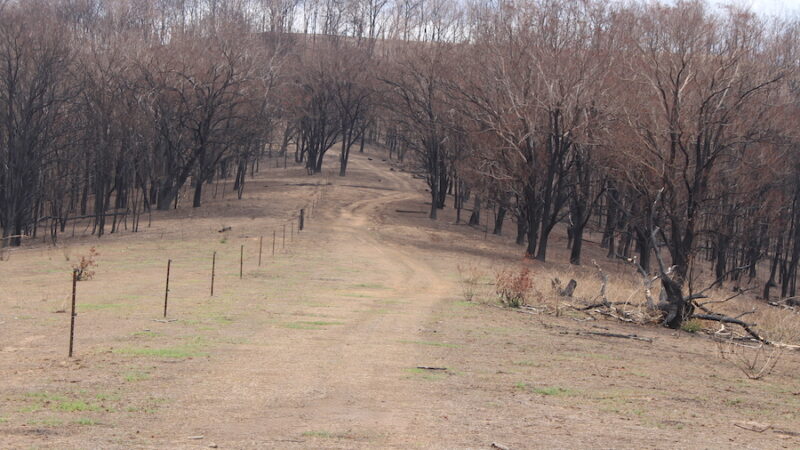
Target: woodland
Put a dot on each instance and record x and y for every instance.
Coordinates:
(669, 130)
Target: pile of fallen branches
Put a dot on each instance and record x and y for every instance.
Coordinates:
(600, 305)
(652, 311)
(674, 309)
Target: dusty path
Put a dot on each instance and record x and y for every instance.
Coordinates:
(347, 379)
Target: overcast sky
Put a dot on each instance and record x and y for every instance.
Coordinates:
(771, 7)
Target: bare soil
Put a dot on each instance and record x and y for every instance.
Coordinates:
(320, 346)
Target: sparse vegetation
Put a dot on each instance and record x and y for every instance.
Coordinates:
(515, 287)
(76, 405)
(85, 268)
(170, 352)
(310, 324)
(86, 422)
(692, 326)
(755, 361)
(431, 343)
(470, 278)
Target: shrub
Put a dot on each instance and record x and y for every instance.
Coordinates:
(514, 288)
(469, 278)
(85, 267)
(692, 326)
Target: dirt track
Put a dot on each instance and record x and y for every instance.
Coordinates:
(319, 348)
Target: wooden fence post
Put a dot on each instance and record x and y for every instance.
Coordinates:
(213, 270)
(166, 289)
(72, 313)
(260, 248)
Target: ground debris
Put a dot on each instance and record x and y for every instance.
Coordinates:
(753, 426)
(635, 337)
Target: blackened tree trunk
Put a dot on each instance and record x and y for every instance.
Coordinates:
(612, 197)
(198, 193)
(522, 229)
(773, 269)
(499, 219)
(643, 244)
(577, 243)
(475, 217)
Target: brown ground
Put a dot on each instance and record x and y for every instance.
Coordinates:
(319, 347)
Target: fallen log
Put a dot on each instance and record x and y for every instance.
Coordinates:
(725, 319)
(614, 335)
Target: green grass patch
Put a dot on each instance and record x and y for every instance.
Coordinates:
(357, 296)
(146, 334)
(45, 396)
(85, 422)
(99, 306)
(547, 390)
(554, 391)
(527, 363)
(321, 434)
(3, 419)
(585, 355)
(318, 434)
(309, 324)
(169, 352)
(692, 326)
(76, 405)
(424, 374)
(46, 423)
(464, 304)
(370, 286)
(30, 409)
(431, 343)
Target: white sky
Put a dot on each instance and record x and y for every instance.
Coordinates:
(768, 7)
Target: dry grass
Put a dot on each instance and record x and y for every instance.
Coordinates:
(773, 323)
(626, 290)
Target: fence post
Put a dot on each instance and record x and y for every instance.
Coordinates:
(273, 243)
(241, 261)
(213, 269)
(72, 313)
(260, 248)
(166, 289)
(302, 220)
(283, 239)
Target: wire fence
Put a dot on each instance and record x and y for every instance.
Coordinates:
(294, 225)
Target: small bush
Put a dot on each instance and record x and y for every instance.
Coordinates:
(85, 267)
(692, 326)
(514, 288)
(469, 279)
